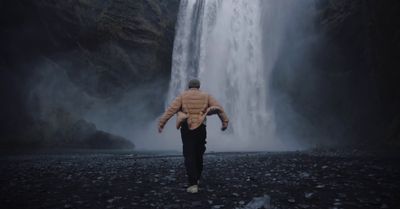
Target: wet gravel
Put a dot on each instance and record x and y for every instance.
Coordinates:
(230, 180)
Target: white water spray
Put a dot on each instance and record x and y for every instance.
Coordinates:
(220, 42)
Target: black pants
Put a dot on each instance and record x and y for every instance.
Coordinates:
(194, 146)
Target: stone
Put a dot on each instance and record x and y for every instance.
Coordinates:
(304, 206)
(258, 202)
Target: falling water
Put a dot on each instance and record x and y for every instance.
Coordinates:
(220, 42)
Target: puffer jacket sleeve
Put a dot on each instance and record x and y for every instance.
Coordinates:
(222, 115)
(175, 106)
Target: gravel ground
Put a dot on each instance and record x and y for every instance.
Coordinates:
(230, 180)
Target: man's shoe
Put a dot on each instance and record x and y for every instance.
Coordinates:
(193, 189)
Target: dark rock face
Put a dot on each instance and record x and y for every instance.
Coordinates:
(61, 129)
(344, 89)
(367, 34)
(105, 49)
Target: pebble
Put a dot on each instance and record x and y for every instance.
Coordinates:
(304, 206)
(308, 195)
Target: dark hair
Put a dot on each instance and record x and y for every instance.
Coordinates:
(194, 83)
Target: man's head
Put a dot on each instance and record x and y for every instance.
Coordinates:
(194, 83)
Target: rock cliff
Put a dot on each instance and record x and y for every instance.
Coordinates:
(102, 50)
(344, 89)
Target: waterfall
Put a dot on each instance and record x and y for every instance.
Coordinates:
(220, 42)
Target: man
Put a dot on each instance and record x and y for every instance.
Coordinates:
(195, 105)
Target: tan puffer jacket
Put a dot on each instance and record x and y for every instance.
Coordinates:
(194, 102)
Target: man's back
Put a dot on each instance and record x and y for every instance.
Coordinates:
(194, 102)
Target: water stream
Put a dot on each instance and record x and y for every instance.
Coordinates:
(220, 43)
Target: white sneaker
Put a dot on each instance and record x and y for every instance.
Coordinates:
(193, 189)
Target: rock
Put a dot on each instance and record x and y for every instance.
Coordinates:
(308, 195)
(258, 202)
(196, 203)
(304, 206)
(337, 203)
(89, 52)
(304, 175)
(172, 206)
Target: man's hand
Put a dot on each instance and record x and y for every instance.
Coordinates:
(224, 126)
(160, 129)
